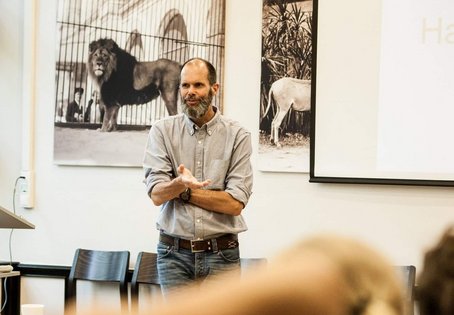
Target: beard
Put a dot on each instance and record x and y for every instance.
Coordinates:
(197, 112)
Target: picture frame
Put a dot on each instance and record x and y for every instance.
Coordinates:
(88, 132)
(286, 72)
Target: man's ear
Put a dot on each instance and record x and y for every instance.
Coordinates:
(215, 88)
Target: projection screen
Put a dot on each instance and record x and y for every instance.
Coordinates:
(383, 92)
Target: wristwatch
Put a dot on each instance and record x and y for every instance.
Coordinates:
(185, 196)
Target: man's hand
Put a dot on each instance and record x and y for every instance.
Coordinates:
(188, 180)
(217, 201)
(165, 191)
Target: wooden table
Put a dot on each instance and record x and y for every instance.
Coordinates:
(12, 295)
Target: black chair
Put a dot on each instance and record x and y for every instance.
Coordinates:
(145, 272)
(100, 266)
(408, 276)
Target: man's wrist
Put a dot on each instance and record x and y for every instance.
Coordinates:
(185, 196)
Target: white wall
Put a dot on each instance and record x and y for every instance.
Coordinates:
(11, 22)
(107, 208)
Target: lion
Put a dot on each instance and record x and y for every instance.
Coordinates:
(122, 80)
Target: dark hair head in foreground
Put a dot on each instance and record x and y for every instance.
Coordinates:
(435, 294)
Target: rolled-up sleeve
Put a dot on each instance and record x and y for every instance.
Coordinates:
(240, 175)
(156, 163)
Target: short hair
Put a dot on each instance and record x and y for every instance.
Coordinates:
(79, 90)
(435, 289)
(211, 70)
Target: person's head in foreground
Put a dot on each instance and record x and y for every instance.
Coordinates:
(436, 280)
(323, 275)
(330, 274)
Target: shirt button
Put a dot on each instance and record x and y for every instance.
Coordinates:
(198, 162)
(200, 142)
(198, 220)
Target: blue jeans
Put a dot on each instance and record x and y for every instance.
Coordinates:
(178, 266)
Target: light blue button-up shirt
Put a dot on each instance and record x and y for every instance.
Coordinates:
(220, 151)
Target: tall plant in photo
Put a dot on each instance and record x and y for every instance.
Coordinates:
(286, 49)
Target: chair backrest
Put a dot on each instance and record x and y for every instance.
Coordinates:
(101, 266)
(408, 276)
(146, 272)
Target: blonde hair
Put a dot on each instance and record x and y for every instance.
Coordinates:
(372, 286)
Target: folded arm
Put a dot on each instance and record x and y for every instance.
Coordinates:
(213, 200)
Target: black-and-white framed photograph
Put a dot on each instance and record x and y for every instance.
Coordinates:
(117, 72)
(285, 104)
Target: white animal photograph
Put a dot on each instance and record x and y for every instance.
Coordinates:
(286, 69)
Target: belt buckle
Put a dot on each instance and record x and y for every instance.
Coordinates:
(193, 242)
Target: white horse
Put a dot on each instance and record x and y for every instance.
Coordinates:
(287, 93)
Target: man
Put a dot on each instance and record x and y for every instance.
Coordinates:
(197, 166)
(93, 114)
(74, 110)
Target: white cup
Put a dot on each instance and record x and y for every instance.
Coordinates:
(32, 309)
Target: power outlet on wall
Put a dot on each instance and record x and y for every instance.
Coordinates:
(27, 189)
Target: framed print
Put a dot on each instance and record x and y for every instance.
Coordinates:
(117, 72)
(285, 105)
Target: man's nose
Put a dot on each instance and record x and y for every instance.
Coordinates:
(191, 90)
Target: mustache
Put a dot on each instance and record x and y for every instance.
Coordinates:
(192, 98)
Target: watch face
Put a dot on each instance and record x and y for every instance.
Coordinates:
(186, 195)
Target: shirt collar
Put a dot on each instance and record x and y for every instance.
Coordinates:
(209, 126)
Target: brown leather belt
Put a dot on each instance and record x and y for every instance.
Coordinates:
(196, 246)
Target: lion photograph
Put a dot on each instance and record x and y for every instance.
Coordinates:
(126, 56)
(122, 80)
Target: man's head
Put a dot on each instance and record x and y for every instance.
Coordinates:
(78, 94)
(436, 281)
(197, 87)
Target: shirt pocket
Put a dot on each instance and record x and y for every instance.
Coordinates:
(217, 173)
